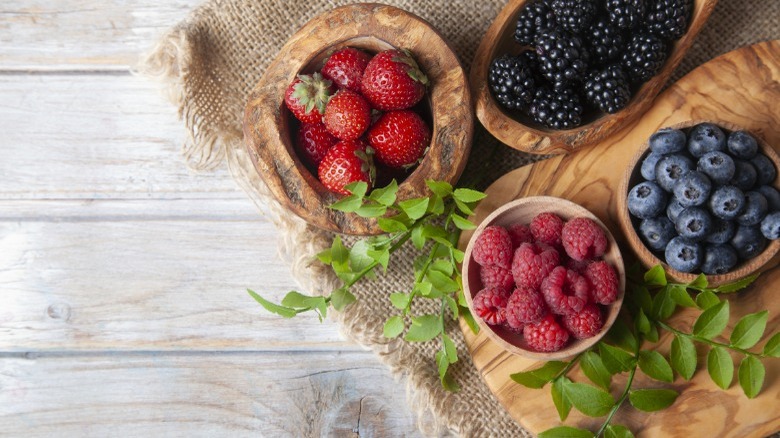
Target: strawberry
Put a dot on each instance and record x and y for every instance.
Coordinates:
(345, 68)
(393, 81)
(346, 162)
(307, 96)
(314, 141)
(399, 138)
(347, 115)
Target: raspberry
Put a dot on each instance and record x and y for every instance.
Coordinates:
(496, 276)
(583, 239)
(578, 266)
(493, 247)
(565, 291)
(603, 282)
(518, 330)
(531, 264)
(546, 228)
(520, 234)
(546, 335)
(525, 306)
(490, 305)
(585, 323)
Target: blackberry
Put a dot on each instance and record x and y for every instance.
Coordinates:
(574, 15)
(605, 41)
(535, 17)
(608, 89)
(644, 56)
(511, 82)
(668, 19)
(557, 109)
(626, 14)
(563, 59)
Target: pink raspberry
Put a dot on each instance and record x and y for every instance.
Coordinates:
(490, 305)
(547, 228)
(520, 234)
(565, 291)
(585, 323)
(546, 335)
(493, 247)
(578, 266)
(517, 330)
(496, 276)
(531, 264)
(583, 239)
(525, 306)
(603, 282)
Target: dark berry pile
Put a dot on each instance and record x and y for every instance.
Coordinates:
(586, 54)
(706, 200)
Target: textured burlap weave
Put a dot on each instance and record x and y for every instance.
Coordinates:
(213, 58)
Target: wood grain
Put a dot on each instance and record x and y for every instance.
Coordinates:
(740, 87)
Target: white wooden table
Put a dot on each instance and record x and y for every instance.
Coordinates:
(123, 309)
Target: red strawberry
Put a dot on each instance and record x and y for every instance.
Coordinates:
(393, 81)
(345, 68)
(347, 115)
(306, 97)
(314, 141)
(346, 162)
(399, 138)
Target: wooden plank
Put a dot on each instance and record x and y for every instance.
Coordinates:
(195, 394)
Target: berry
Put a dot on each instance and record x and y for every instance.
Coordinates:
(347, 115)
(755, 209)
(578, 266)
(770, 226)
(646, 200)
(496, 277)
(669, 18)
(657, 232)
(745, 175)
(534, 17)
(557, 109)
(565, 291)
(547, 228)
(493, 247)
(490, 305)
(674, 209)
(314, 141)
(531, 264)
(765, 170)
(722, 231)
(670, 168)
(603, 281)
(525, 306)
(511, 81)
(692, 189)
(399, 138)
(574, 15)
(563, 59)
(626, 14)
(583, 239)
(307, 96)
(393, 81)
(345, 68)
(644, 56)
(772, 196)
(346, 162)
(742, 145)
(520, 234)
(684, 255)
(667, 141)
(748, 241)
(718, 166)
(706, 137)
(605, 41)
(585, 323)
(546, 335)
(608, 89)
(727, 202)
(718, 259)
(694, 224)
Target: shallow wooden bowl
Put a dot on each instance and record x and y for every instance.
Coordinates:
(628, 224)
(372, 27)
(522, 133)
(523, 211)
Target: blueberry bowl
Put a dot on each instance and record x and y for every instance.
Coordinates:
(703, 197)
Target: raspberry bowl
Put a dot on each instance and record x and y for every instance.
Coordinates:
(558, 251)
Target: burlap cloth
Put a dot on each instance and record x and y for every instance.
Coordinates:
(212, 59)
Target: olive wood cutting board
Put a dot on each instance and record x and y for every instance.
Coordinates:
(741, 87)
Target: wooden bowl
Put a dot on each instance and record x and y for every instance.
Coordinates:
(628, 224)
(521, 132)
(523, 211)
(374, 28)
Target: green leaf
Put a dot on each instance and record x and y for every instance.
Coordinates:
(589, 400)
(617, 431)
(394, 326)
(706, 299)
(414, 208)
(699, 282)
(681, 296)
(423, 289)
(385, 195)
(468, 195)
(643, 298)
(442, 282)
(442, 363)
(400, 300)
(712, 321)
(457, 255)
(448, 383)
(615, 359)
(655, 365)
(368, 210)
(358, 256)
(462, 223)
(663, 304)
(558, 394)
(424, 328)
(594, 369)
(656, 276)
(380, 256)
(449, 348)
(436, 206)
(444, 266)
(652, 335)
(453, 305)
(348, 204)
(566, 432)
(650, 400)
(749, 330)
(325, 257)
(772, 347)
(737, 285)
(751, 376)
(271, 307)
(295, 300)
(469, 318)
(621, 335)
(683, 356)
(720, 367)
(442, 189)
(358, 188)
(418, 239)
(341, 298)
(390, 225)
(539, 377)
(464, 207)
(642, 323)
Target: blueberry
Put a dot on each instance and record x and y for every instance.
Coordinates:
(694, 223)
(692, 189)
(648, 165)
(770, 226)
(755, 209)
(722, 231)
(727, 202)
(646, 200)
(719, 166)
(745, 175)
(673, 209)
(742, 145)
(657, 232)
(670, 168)
(772, 196)
(748, 241)
(765, 169)
(683, 255)
(704, 138)
(718, 259)
(667, 141)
